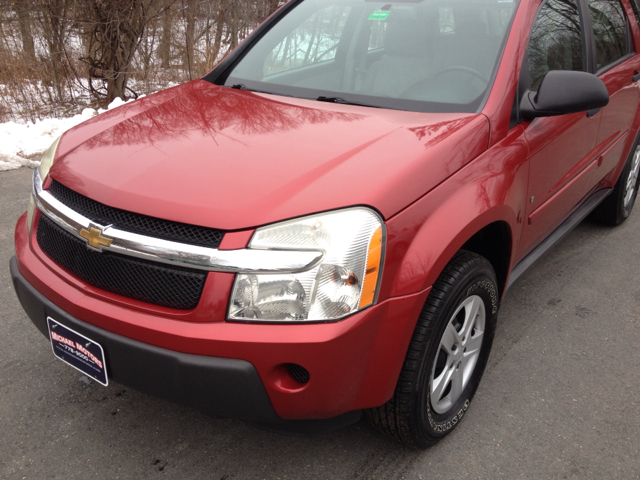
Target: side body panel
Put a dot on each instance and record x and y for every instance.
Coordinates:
(424, 237)
(561, 155)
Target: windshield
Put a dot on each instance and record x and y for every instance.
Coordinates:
(417, 55)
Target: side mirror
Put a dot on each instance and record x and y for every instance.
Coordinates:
(562, 92)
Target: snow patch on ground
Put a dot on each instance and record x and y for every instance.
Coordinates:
(20, 143)
(11, 162)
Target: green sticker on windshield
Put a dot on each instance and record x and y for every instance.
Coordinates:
(379, 15)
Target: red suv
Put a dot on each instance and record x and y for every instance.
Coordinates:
(326, 223)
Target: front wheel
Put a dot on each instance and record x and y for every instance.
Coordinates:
(446, 357)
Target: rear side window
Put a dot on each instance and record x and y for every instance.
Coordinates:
(610, 30)
(556, 41)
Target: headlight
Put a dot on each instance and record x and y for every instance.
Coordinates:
(43, 169)
(31, 210)
(345, 281)
(47, 159)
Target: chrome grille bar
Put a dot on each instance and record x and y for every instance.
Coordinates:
(175, 253)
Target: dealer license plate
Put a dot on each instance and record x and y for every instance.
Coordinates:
(80, 352)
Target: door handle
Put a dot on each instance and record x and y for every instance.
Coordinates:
(636, 77)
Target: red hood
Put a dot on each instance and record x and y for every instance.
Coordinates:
(230, 159)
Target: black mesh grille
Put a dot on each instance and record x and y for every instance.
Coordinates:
(135, 222)
(298, 373)
(151, 282)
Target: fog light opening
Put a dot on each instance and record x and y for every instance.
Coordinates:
(298, 373)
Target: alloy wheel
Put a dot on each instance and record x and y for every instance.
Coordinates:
(458, 354)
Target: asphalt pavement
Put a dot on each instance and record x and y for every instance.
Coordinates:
(560, 397)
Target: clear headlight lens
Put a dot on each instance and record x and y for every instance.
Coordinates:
(345, 281)
(47, 159)
(43, 170)
(31, 210)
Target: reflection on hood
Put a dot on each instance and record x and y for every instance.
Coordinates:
(197, 107)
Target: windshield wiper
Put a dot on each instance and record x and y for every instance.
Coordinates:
(321, 98)
(342, 101)
(242, 86)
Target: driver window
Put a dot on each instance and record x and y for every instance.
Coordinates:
(556, 41)
(314, 41)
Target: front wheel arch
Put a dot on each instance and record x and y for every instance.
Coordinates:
(494, 243)
(489, 234)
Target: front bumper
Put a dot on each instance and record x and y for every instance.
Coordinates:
(225, 368)
(161, 372)
(218, 386)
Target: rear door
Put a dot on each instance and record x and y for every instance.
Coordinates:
(616, 63)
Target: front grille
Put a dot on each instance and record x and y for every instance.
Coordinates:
(151, 282)
(135, 222)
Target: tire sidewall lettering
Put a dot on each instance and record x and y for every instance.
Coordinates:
(443, 427)
(488, 287)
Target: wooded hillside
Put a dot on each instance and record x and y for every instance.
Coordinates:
(60, 56)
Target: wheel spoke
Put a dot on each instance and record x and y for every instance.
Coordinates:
(629, 195)
(636, 164)
(473, 344)
(634, 175)
(465, 360)
(456, 385)
(472, 311)
(439, 384)
(632, 179)
(449, 338)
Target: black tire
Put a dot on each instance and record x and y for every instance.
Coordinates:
(410, 416)
(617, 207)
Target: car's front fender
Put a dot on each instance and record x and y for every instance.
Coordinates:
(424, 237)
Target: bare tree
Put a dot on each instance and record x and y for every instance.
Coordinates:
(24, 21)
(165, 42)
(116, 28)
(63, 55)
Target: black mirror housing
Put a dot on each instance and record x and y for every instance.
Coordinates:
(562, 92)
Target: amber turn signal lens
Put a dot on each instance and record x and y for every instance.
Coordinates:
(373, 269)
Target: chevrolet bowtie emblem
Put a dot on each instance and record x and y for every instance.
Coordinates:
(94, 238)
